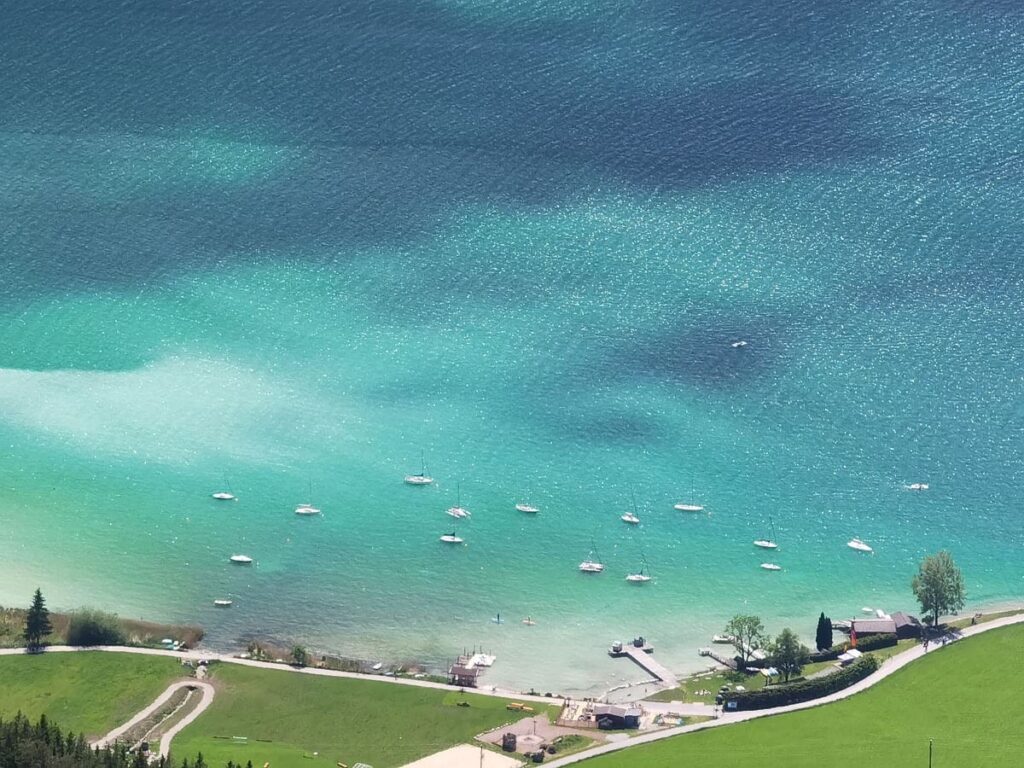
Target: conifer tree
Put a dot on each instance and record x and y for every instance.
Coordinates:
(823, 636)
(37, 623)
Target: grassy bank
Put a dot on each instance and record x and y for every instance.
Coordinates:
(90, 692)
(296, 720)
(964, 696)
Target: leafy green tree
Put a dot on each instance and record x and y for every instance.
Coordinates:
(788, 654)
(823, 635)
(939, 586)
(747, 633)
(37, 623)
(300, 656)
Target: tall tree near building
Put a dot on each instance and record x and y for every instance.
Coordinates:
(37, 623)
(823, 635)
(939, 586)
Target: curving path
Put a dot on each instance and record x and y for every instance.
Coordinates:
(206, 699)
(889, 666)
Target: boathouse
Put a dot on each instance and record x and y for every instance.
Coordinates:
(609, 717)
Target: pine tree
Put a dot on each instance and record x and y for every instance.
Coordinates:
(37, 623)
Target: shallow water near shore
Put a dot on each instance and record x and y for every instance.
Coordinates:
(289, 253)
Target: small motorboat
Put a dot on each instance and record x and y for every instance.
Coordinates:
(630, 518)
(451, 538)
(377, 667)
(859, 545)
(306, 510)
(688, 507)
(527, 508)
(771, 567)
(222, 602)
(723, 639)
(241, 559)
(868, 610)
(224, 496)
(739, 344)
(917, 487)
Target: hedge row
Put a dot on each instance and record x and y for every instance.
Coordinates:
(868, 643)
(780, 695)
(874, 642)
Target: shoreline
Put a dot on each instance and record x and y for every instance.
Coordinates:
(625, 690)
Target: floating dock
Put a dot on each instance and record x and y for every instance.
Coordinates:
(641, 655)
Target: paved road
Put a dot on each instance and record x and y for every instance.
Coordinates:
(201, 655)
(165, 741)
(197, 710)
(889, 666)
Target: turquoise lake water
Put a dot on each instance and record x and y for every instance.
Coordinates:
(292, 249)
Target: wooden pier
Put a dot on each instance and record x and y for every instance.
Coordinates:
(641, 655)
(724, 661)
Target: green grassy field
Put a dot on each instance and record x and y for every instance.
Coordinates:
(965, 696)
(91, 692)
(286, 718)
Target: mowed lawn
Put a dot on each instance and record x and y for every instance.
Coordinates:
(90, 692)
(967, 697)
(287, 717)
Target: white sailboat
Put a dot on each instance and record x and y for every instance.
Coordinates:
(458, 511)
(307, 510)
(527, 508)
(241, 559)
(688, 507)
(451, 538)
(593, 562)
(631, 517)
(767, 543)
(421, 478)
(641, 576)
(227, 495)
(859, 545)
